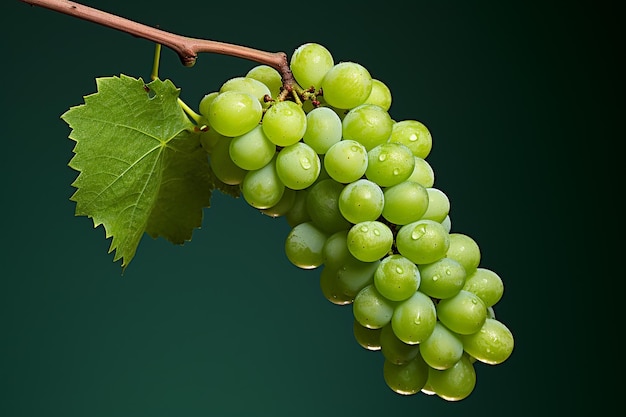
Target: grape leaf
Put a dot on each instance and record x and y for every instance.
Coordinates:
(141, 167)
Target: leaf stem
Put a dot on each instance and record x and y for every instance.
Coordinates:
(157, 60)
(186, 48)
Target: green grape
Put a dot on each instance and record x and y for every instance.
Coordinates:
(423, 241)
(323, 129)
(368, 124)
(370, 241)
(233, 113)
(405, 202)
(262, 188)
(252, 150)
(361, 201)
(268, 76)
(438, 205)
(389, 164)
(414, 319)
(486, 284)
(310, 63)
(336, 251)
(322, 204)
(368, 338)
(465, 251)
(443, 278)
(414, 135)
(284, 123)
(332, 288)
(355, 275)
(395, 350)
(346, 161)
(248, 85)
(298, 166)
(408, 378)
(422, 173)
(455, 383)
(464, 313)
(447, 224)
(380, 95)
(298, 212)
(283, 206)
(304, 245)
(371, 309)
(205, 103)
(209, 139)
(223, 167)
(442, 349)
(346, 85)
(397, 278)
(492, 344)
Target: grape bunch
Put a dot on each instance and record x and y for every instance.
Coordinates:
(356, 189)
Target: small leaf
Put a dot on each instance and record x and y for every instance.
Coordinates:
(141, 168)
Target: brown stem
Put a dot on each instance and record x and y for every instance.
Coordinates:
(187, 48)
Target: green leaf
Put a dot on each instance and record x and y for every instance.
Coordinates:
(141, 167)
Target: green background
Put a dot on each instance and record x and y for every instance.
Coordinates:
(522, 99)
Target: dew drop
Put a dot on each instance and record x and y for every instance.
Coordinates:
(413, 137)
(354, 148)
(418, 232)
(364, 228)
(377, 232)
(382, 156)
(399, 270)
(474, 301)
(396, 171)
(435, 277)
(305, 162)
(448, 272)
(417, 320)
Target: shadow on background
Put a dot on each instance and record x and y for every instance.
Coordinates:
(522, 99)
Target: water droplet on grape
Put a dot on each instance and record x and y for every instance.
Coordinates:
(418, 232)
(382, 156)
(413, 137)
(305, 162)
(354, 148)
(418, 319)
(377, 232)
(435, 277)
(364, 228)
(399, 270)
(396, 171)
(448, 272)
(474, 301)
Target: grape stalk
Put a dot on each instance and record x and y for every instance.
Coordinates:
(309, 140)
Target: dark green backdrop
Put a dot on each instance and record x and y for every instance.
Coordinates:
(522, 98)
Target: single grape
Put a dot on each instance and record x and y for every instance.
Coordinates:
(262, 188)
(414, 319)
(361, 201)
(443, 278)
(252, 150)
(370, 241)
(247, 85)
(322, 204)
(284, 123)
(423, 173)
(233, 113)
(442, 349)
(380, 95)
(371, 309)
(209, 139)
(368, 124)
(438, 205)
(298, 166)
(298, 212)
(346, 85)
(486, 284)
(389, 164)
(332, 288)
(395, 350)
(346, 161)
(309, 64)
(304, 245)
(408, 378)
(323, 129)
(455, 383)
(414, 135)
(223, 166)
(405, 202)
(465, 251)
(423, 241)
(268, 76)
(368, 338)
(464, 313)
(336, 251)
(283, 206)
(492, 344)
(397, 278)
(205, 103)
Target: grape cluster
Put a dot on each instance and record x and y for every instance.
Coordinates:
(359, 195)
